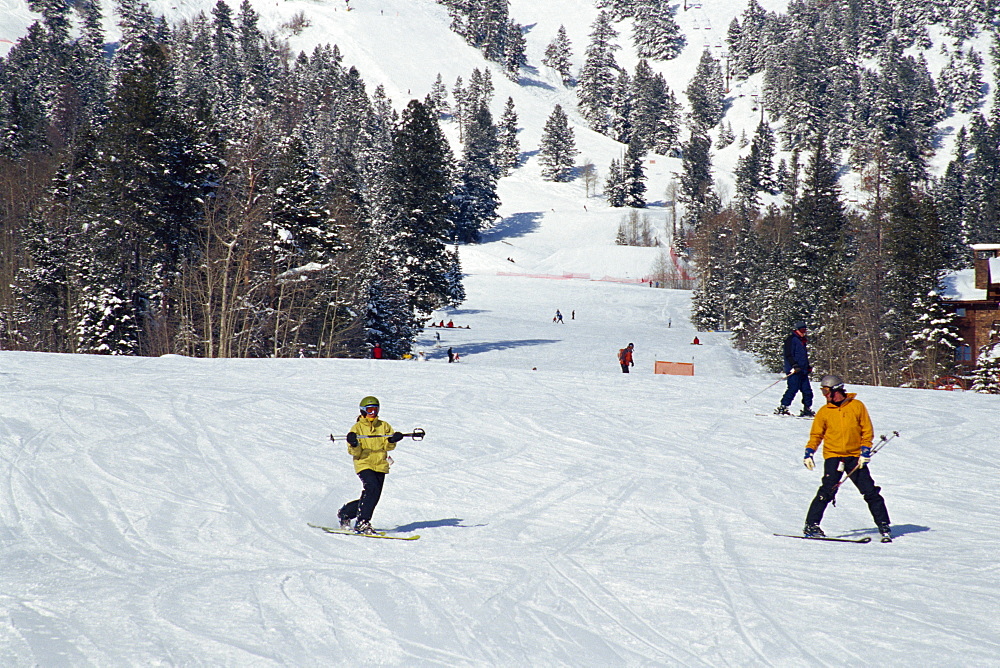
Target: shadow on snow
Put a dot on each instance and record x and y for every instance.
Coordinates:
(517, 225)
(449, 522)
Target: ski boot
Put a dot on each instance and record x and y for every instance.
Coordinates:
(886, 533)
(807, 412)
(781, 410)
(345, 522)
(813, 531)
(365, 527)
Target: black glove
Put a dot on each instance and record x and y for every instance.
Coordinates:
(396, 437)
(352, 439)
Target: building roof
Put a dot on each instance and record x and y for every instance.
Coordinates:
(961, 286)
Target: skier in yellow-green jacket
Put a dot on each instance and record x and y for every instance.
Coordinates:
(368, 443)
(844, 428)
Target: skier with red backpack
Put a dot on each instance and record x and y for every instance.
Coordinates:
(625, 357)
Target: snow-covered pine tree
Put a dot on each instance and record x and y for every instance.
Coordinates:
(514, 57)
(483, 23)
(649, 109)
(558, 147)
(437, 98)
(755, 171)
(696, 178)
(818, 235)
(950, 196)
(617, 9)
(422, 169)
(559, 55)
(986, 375)
(655, 34)
(668, 126)
(634, 176)
(705, 92)
(478, 93)
(711, 303)
(614, 185)
(595, 87)
(509, 150)
(981, 208)
(620, 113)
(972, 87)
(726, 136)
(476, 197)
(300, 223)
(748, 42)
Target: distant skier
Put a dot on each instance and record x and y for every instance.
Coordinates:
(451, 355)
(377, 352)
(625, 357)
(844, 428)
(796, 365)
(368, 442)
(558, 317)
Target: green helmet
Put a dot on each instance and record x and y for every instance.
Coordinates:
(369, 401)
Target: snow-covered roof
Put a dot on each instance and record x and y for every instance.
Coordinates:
(961, 285)
(985, 247)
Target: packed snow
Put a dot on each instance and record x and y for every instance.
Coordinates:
(154, 511)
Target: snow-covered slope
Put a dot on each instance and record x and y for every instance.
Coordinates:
(153, 511)
(403, 45)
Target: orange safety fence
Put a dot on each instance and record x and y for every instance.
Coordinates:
(674, 368)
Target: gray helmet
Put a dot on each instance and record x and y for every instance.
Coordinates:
(832, 382)
(800, 324)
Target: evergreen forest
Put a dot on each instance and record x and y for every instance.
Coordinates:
(205, 192)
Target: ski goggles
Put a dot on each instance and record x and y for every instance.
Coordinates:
(370, 410)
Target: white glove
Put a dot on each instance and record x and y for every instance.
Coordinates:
(807, 461)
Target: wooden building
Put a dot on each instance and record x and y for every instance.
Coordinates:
(976, 302)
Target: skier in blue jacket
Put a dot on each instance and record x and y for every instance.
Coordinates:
(797, 370)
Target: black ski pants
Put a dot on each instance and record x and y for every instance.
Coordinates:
(833, 471)
(364, 508)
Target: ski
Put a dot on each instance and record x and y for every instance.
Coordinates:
(886, 539)
(345, 532)
(832, 539)
(775, 415)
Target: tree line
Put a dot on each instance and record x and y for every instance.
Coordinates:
(204, 191)
(844, 95)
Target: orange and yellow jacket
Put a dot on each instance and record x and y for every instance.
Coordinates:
(371, 453)
(842, 429)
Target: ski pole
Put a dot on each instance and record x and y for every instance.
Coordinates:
(878, 446)
(417, 435)
(769, 386)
